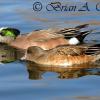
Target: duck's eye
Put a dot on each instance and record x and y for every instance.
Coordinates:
(29, 51)
(1, 33)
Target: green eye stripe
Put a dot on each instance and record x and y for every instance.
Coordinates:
(8, 33)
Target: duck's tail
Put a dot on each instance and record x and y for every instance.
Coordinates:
(97, 57)
(82, 35)
(71, 32)
(95, 51)
(82, 26)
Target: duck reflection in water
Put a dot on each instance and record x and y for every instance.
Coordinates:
(9, 54)
(37, 71)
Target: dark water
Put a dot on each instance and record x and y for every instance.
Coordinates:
(21, 81)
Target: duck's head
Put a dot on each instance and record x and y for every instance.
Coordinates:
(33, 53)
(10, 32)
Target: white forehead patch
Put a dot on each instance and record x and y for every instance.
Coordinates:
(74, 41)
(3, 28)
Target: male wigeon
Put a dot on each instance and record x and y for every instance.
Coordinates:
(45, 39)
(50, 38)
(45, 43)
(64, 55)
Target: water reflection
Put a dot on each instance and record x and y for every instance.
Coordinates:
(9, 54)
(36, 71)
(88, 98)
(14, 85)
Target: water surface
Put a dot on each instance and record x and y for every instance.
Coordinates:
(18, 81)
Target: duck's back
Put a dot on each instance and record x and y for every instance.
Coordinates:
(63, 56)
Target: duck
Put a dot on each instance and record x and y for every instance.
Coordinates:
(45, 39)
(8, 34)
(24, 42)
(51, 38)
(63, 55)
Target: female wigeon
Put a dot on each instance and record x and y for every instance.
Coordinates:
(63, 55)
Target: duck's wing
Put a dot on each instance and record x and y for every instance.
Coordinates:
(43, 35)
(68, 31)
(56, 32)
(70, 50)
(77, 50)
(71, 32)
